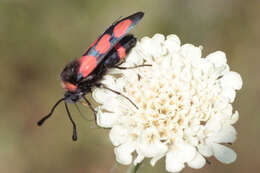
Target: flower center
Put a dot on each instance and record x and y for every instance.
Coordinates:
(167, 103)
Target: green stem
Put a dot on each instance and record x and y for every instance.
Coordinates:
(134, 168)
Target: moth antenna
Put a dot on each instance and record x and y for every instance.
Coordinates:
(74, 134)
(39, 123)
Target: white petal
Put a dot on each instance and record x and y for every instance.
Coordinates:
(172, 162)
(124, 153)
(145, 45)
(213, 125)
(205, 150)
(221, 102)
(229, 93)
(205, 66)
(198, 162)
(111, 105)
(223, 153)
(171, 45)
(227, 134)
(109, 81)
(185, 152)
(232, 80)
(149, 144)
(112, 71)
(158, 37)
(174, 38)
(157, 48)
(227, 112)
(105, 119)
(234, 118)
(190, 51)
(218, 58)
(152, 150)
(132, 59)
(118, 135)
(101, 95)
(156, 158)
(138, 159)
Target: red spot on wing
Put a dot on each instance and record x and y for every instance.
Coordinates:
(120, 51)
(92, 45)
(103, 44)
(69, 86)
(121, 28)
(87, 65)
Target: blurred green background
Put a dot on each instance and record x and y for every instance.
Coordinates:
(38, 38)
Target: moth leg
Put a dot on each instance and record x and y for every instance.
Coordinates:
(100, 85)
(91, 108)
(137, 66)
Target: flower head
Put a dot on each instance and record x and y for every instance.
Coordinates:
(184, 105)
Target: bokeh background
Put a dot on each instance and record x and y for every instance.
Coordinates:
(38, 38)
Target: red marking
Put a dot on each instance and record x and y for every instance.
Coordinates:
(120, 51)
(87, 65)
(69, 86)
(121, 28)
(92, 45)
(103, 44)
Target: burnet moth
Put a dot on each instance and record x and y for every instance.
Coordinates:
(81, 75)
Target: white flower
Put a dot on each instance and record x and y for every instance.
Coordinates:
(184, 105)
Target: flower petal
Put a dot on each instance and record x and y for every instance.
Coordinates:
(138, 159)
(172, 43)
(172, 162)
(190, 51)
(213, 125)
(118, 135)
(174, 38)
(101, 96)
(234, 118)
(158, 37)
(185, 152)
(218, 58)
(157, 48)
(152, 150)
(124, 153)
(232, 80)
(223, 153)
(227, 134)
(149, 144)
(205, 150)
(229, 93)
(198, 162)
(131, 59)
(105, 119)
(156, 158)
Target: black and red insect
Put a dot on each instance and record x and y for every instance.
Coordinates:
(81, 75)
